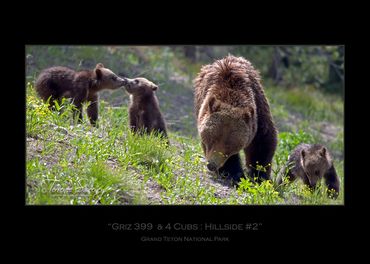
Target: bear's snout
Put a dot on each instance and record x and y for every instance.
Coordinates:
(216, 160)
(130, 81)
(124, 80)
(212, 166)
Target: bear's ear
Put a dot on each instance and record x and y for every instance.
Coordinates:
(154, 87)
(99, 73)
(213, 105)
(99, 65)
(323, 152)
(303, 153)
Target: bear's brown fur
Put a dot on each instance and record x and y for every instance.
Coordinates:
(144, 112)
(311, 163)
(82, 86)
(233, 114)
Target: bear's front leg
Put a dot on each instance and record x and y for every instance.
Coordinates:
(77, 101)
(92, 109)
(332, 182)
(133, 120)
(232, 168)
(259, 155)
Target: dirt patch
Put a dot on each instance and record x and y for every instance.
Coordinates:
(222, 187)
(36, 149)
(151, 189)
(328, 131)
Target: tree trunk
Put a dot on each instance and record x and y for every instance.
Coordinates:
(275, 71)
(190, 52)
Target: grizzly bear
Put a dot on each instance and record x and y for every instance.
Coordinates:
(144, 113)
(82, 86)
(233, 114)
(311, 163)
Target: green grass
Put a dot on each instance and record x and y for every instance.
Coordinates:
(306, 102)
(70, 163)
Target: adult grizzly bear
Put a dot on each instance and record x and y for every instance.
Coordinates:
(144, 112)
(311, 163)
(233, 114)
(82, 86)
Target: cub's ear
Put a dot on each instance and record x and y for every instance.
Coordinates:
(154, 87)
(99, 65)
(323, 152)
(99, 73)
(303, 153)
(213, 104)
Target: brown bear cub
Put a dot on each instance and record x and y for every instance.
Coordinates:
(144, 113)
(82, 86)
(311, 163)
(233, 114)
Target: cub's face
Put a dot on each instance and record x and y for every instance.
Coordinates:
(315, 164)
(106, 79)
(140, 86)
(222, 136)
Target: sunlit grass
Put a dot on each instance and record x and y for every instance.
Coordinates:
(69, 163)
(80, 164)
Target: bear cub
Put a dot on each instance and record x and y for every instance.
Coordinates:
(82, 86)
(144, 113)
(311, 163)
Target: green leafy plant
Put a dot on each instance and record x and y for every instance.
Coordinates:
(75, 163)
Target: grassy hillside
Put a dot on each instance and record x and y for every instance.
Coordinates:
(70, 163)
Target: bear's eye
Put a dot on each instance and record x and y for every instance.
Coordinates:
(136, 81)
(114, 78)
